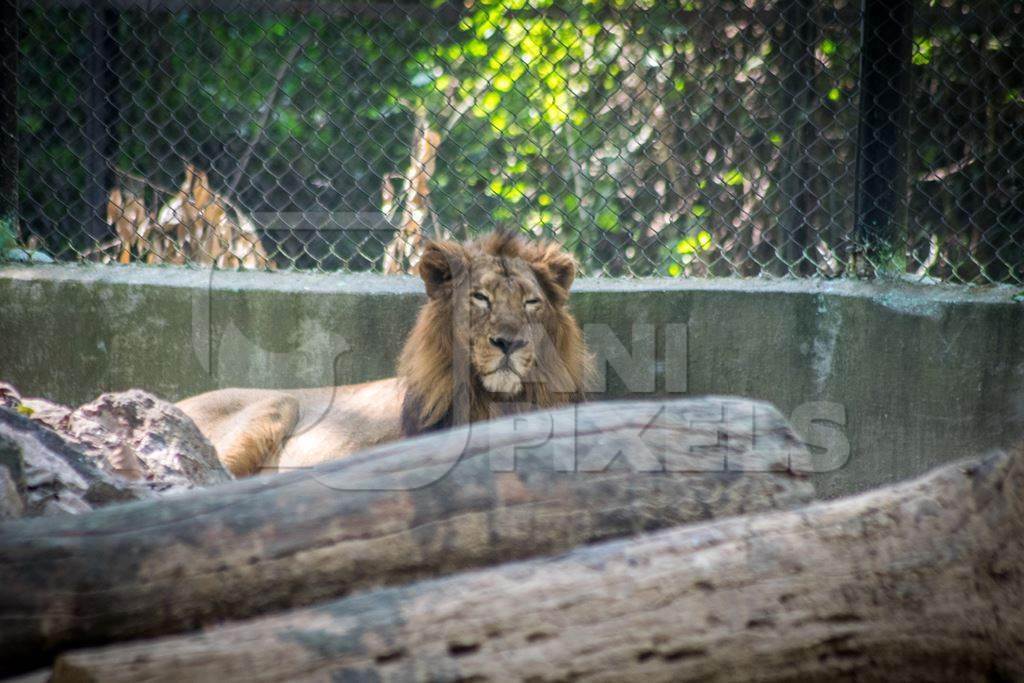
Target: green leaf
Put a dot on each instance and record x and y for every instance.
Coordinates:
(502, 83)
(704, 240)
(499, 120)
(685, 246)
(608, 219)
(514, 193)
(476, 48)
(528, 148)
(556, 108)
(733, 177)
(692, 244)
(490, 101)
(922, 51)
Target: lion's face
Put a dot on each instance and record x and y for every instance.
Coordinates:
(496, 329)
(506, 305)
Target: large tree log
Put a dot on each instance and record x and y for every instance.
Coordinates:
(920, 581)
(522, 487)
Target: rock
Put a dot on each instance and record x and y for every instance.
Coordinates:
(122, 446)
(53, 415)
(52, 475)
(9, 396)
(141, 437)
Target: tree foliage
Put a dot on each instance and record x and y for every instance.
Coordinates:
(649, 137)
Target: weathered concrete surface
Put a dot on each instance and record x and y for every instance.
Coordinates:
(921, 374)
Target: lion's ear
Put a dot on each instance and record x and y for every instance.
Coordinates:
(562, 267)
(440, 263)
(556, 270)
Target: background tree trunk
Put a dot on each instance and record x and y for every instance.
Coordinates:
(483, 494)
(920, 581)
(402, 252)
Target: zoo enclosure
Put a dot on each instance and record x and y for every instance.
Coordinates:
(794, 137)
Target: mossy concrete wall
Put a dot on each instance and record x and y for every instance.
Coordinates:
(908, 376)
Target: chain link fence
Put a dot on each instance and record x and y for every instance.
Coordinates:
(683, 138)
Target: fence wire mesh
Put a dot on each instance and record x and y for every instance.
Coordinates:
(684, 138)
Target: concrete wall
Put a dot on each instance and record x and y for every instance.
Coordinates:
(910, 375)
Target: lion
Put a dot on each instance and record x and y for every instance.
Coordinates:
(495, 337)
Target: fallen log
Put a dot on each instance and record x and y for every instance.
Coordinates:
(491, 492)
(920, 581)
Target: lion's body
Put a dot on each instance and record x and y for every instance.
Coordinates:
(494, 337)
(269, 430)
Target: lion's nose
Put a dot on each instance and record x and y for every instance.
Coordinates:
(508, 346)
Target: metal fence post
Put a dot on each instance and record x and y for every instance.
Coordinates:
(881, 194)
(9, 116)
(798, 91)
(101, 117)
